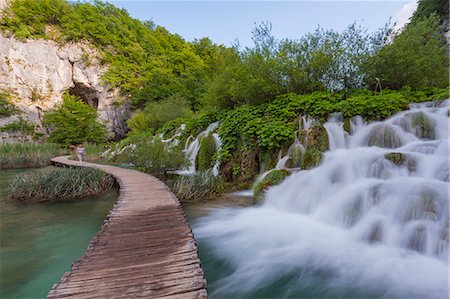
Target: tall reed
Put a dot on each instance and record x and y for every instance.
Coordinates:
(59, 184)
(26, 155)
(198, 186)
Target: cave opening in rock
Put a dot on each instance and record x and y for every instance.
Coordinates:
(85, 93)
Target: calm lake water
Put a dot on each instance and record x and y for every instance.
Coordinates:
(40, 241)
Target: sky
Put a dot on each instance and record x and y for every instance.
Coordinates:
(224, 22)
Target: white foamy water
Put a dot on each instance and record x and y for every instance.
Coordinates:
(357, 226)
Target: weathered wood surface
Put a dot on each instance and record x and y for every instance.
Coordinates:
(145, 247)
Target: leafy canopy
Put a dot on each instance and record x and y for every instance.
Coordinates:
(74, 122)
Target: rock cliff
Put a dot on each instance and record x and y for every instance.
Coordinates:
(37, 72)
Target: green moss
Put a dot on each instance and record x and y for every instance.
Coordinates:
(268, 159)
(6, 107)
(272, 178)
(423, 125)
(400, 159)
(384, 136)
(347, 127)
(295, 156)
(206, 154)
(396, 158)
(311, 158)
(248, 166)
(317, 138)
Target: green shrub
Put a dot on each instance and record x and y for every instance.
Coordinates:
(19, 126)
(153, 156)
(198, 186)
(6, 107)
(60, 184)
(272, 178)
(26, 155)
(74, 122)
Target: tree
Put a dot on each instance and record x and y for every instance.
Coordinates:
(416, 58)
(74, 122)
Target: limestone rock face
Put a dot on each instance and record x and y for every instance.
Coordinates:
(37, 72)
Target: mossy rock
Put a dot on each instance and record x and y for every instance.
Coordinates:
(347, 127)
(248, 166)
(384, 136)
(272, 178)
(268, 160)
(311, 158)
(295, 157)
(317, 138)
(400, 159)
(206, 154)
(424, 127)
(396, 158)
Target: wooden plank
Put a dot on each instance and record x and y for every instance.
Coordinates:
(145, 247)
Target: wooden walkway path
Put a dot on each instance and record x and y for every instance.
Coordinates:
(145, 247)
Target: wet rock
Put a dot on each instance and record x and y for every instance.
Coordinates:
(396, 158)
(311, 158)
(384, 136)
(272, 178)
(423, 126)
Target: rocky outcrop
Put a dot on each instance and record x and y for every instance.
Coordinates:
(37, 72)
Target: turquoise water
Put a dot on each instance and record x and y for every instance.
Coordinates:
(40, 241)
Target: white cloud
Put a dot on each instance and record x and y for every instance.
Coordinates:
(402, 17)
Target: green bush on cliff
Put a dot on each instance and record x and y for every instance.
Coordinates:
(19, 126)
(74, 122)
(6, 107)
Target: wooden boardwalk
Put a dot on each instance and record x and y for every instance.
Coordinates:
(145, 247)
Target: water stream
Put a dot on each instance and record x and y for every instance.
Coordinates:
(372, 221)
(40, 241)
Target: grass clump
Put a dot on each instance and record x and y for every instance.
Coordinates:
(60, 184)
(272, 178)
(26, 155)
(198, 186)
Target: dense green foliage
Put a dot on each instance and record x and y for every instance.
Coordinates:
(427, 7)
(257, 93)
(269, 126)
(198, 186)
(151, 65)
(146, 61)
(417, 58)
(74, 122)
(156, 114)
(26, 155)
(151, 155)
(58, 185)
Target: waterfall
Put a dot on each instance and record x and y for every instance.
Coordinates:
(372, 221)
(192, 148)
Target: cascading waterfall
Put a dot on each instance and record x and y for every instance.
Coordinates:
(372, 221)
(192, 148)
